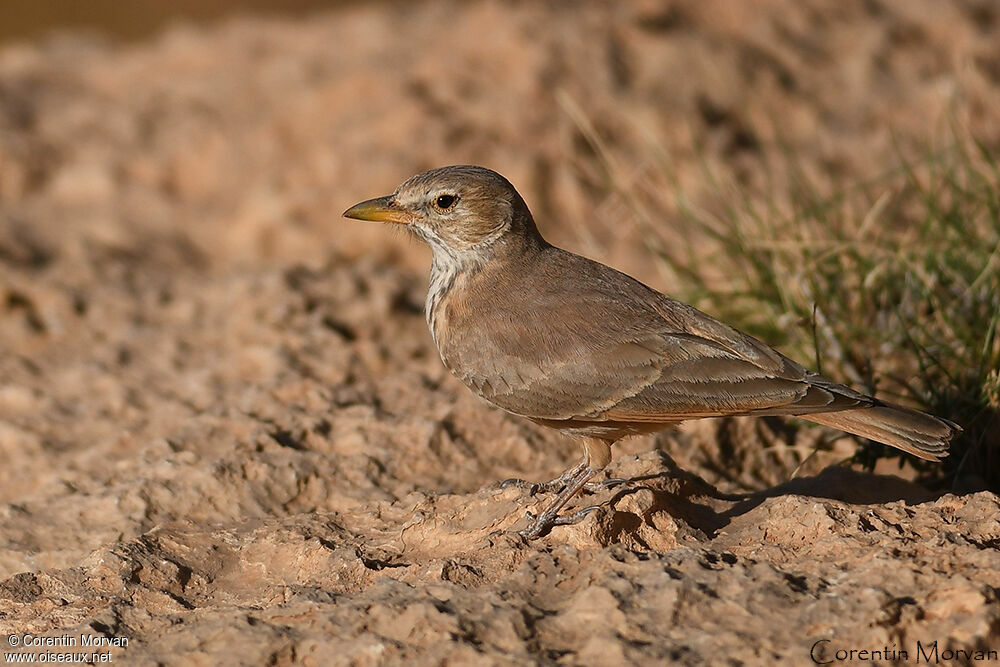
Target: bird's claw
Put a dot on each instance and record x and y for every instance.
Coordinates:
(541, 524)
(575, 517)
(594, 487)
(533, 488)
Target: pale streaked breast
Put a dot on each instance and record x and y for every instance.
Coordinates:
(444, 274)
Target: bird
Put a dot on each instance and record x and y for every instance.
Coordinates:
(575, 345)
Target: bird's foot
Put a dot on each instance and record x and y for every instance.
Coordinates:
(550, 516)
(541, 524)
(558, 484)
(552, 486)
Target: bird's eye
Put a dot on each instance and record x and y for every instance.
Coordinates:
(446, 201)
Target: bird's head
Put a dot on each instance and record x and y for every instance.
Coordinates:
(460, 210)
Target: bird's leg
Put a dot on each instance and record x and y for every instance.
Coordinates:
(597, 455)
(550, 517)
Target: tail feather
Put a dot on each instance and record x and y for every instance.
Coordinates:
(915, 432)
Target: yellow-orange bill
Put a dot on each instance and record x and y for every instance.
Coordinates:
(381, 209)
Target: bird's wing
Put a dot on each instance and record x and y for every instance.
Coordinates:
(698, 378)
(620, 351)
(659, 377)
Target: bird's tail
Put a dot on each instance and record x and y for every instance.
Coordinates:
(915, 432)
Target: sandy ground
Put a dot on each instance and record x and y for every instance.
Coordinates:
(226, 435)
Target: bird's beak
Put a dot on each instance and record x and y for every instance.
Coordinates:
(381, 209)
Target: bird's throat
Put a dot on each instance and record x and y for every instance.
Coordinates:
(445, 271)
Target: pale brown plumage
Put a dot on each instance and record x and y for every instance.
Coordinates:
(578, 346)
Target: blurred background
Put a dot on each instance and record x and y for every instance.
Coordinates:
(21, 19)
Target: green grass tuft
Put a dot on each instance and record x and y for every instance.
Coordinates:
(892, 285)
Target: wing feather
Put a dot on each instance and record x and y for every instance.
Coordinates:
(620, 352)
